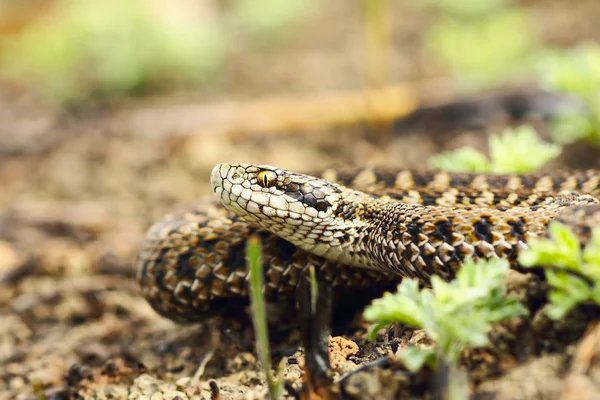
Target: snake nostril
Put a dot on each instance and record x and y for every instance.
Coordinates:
(215, 176)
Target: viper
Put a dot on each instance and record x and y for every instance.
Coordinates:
(359, 228)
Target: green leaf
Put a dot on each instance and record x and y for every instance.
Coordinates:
(374, 329)
(572, 127)
(508, 308)
(484, 275)
(517, 150)
(453, 314)
(414, 358)
(567, 290)
(576, 71)
(563, 253)
(403, 307)
(557, 310)
(520, 151)
(566, 240)
(561, 250)
(464, 159)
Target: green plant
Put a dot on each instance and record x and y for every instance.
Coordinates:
(481, 42)
(453, 314)
(518, 150)
(573, 273)
(259, 318)
(575, 72)
(106, 49)
(85, 51)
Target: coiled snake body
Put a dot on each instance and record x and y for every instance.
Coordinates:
(359, 228)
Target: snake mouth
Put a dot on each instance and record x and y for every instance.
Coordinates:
(222, 179)
(216, 180)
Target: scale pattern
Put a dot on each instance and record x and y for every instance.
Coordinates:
(390, 224)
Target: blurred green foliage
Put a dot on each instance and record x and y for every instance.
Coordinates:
(85, 50)
(107, 49)
(454, 314)
(465, 159)
(485, 51)
(573, 273)
(575, 72)
(482, 42)
(518, 150)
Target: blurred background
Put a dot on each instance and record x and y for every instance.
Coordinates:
(113, 113)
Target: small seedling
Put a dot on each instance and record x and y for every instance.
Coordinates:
(454, 314)
(573, 273)
(518, 150)
(259, 319)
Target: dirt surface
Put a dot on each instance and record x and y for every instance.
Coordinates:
(74, 323)
(79, 191)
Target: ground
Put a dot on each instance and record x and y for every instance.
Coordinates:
(80, 189)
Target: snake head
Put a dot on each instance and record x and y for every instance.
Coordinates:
(300, 208)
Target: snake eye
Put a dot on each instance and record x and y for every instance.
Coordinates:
(266, 179)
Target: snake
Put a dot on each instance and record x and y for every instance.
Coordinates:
(358, 228)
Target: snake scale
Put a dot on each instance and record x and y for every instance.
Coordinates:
(359, 228)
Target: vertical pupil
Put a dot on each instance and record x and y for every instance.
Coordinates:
(265, 180)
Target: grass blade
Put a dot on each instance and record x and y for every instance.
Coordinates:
(259, 318)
